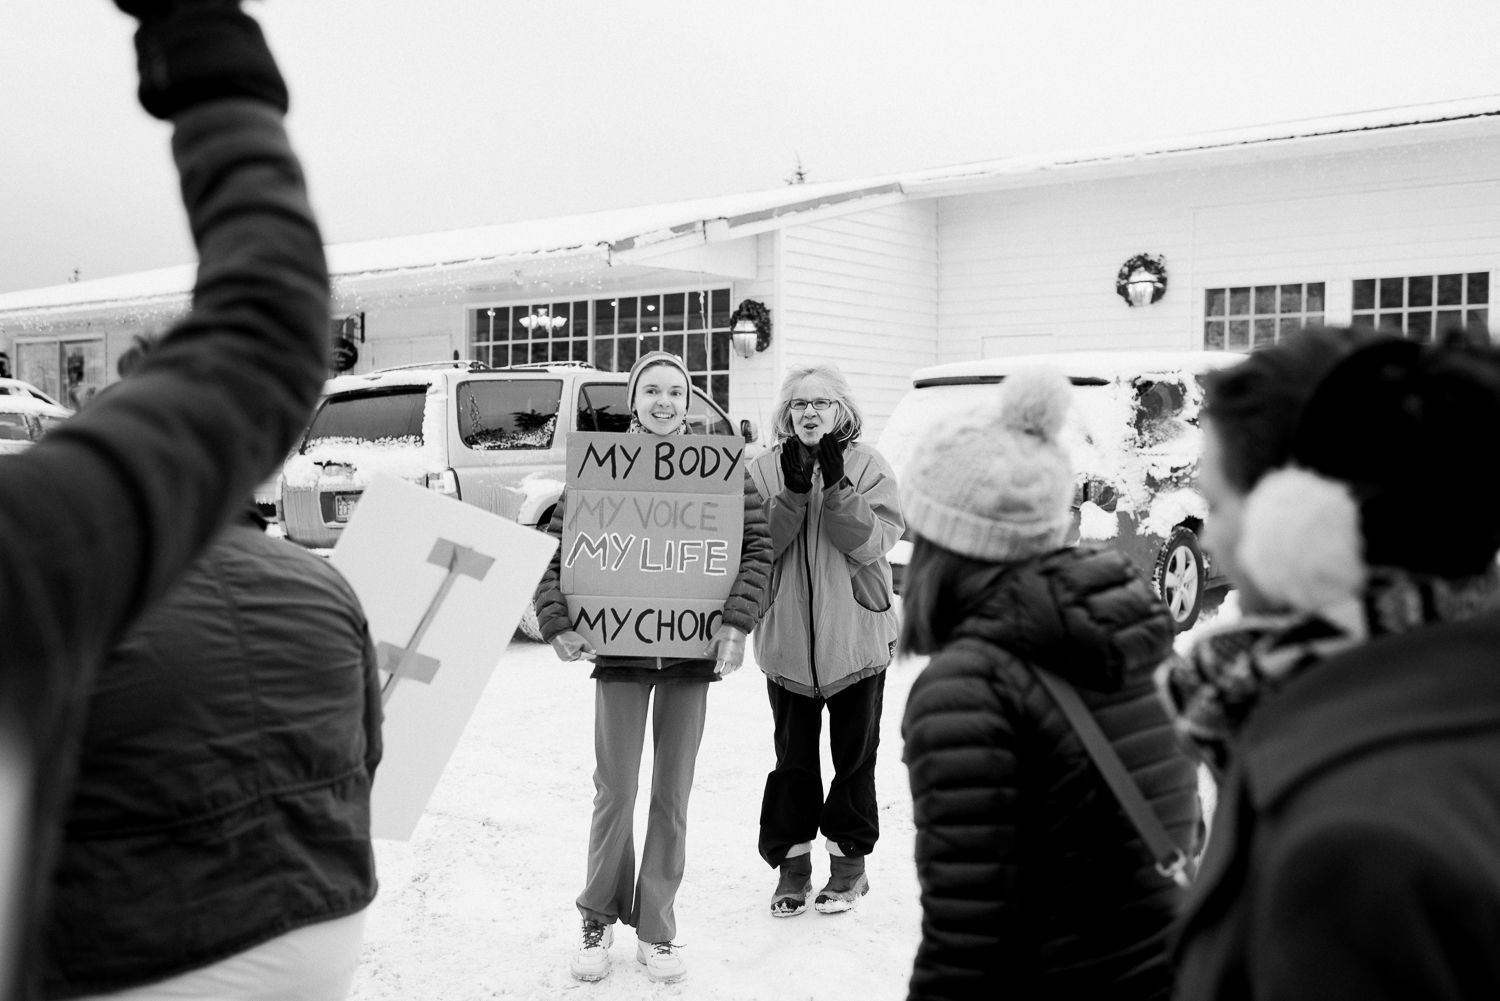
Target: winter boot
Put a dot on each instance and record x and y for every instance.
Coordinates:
(846, 884)
(591, 961)
(662, 961)
(794, 887)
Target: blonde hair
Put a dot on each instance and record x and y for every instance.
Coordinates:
(850, 421)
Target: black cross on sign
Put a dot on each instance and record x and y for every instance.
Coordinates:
(406, 662)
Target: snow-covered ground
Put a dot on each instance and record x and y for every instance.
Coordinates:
(479, 904)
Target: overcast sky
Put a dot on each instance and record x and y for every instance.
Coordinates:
(418, 116)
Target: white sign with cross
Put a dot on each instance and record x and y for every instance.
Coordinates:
(443, 586)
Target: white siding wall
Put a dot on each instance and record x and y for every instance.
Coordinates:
(411, 336)
(1034, 269)
(861, 290)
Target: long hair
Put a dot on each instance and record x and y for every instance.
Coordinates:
(940, 589)
(851, 419)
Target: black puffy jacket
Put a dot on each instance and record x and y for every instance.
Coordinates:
(1034, 883)
(223, 788)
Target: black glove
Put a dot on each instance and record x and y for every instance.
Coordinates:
(831, 459)
(192, 51)
(795, 469)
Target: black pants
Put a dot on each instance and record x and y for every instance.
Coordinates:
(793, 809)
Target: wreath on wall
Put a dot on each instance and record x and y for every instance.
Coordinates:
(757, 314)
(1139, 268)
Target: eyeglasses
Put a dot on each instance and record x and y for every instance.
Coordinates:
(797, 406)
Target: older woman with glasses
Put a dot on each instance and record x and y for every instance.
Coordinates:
(827, 635)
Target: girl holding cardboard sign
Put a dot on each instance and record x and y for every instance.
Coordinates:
(827, 636)
(659, 392)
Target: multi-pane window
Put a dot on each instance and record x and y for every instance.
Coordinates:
(1423, 306)
(1255, 316)
(521, 335)
(613, 333)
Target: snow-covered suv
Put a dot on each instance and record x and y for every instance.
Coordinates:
(494, 438)
(1134, 438)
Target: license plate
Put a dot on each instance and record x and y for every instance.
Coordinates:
(343, 506)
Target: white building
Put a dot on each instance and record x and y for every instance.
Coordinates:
(1391, 217)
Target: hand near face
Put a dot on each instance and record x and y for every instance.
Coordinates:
(794, 467)
(831, 461)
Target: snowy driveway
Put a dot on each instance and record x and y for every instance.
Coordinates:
(480, 903)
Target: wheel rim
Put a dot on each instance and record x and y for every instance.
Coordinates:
(1180, 583)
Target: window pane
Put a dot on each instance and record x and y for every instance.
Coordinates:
(1390, 293)
(1213, 302)
(1239, 334)
(1290, 325)
(721, 390)
(562, 321)
(1390, 321)
(1364, 294)
(720, 316)
(673, 310)
(606, 403)
(581, 350)
(1315, 297)
(1450, 290)
(1265, 333)
(13, 427)
(482, 325)
(1314, 319)
(650, 344)
(604, 317)
(1291, 298)
(500, 356)
(1419, 326)
(538, 352)
(701, 382)
(604, 354)
(386, 416)
(1265, 298)
(1213, 335)
(1449, 319)
(650, 313)
(1419, 291)
(508, 413)
(625, 354)
(522, 321)
(560, 350)
(1479, 318)
(720, 344)
(697, 352)
(627, 319)
(697, 310)
(1239, 301)
(672, 343)
(1479, 288)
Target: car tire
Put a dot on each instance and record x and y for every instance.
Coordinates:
(1180, 576)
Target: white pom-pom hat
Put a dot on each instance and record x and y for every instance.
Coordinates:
(998, 485)
(1300, 541)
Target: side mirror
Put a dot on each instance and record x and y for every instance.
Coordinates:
(749, 432)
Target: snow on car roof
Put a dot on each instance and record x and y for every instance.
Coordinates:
(1081, 364)
(12, 404)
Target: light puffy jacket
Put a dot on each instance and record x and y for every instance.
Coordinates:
(828, 619)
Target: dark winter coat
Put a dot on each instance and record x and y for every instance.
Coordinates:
(1034, 883)
(100, 518)
(223, 790)
(741, 608)
(1356, 844)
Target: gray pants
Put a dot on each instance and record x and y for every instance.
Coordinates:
(613, 892)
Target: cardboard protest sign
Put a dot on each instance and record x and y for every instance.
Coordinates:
(443, 585)
(651, 539)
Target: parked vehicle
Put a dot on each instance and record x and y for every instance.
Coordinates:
(26, 414)
(1135, 442)
(494, 438)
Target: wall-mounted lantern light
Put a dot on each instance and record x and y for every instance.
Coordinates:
(750, 327)
(1142, 279)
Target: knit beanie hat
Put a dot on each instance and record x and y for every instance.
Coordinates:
(650, 360)
(998, 485)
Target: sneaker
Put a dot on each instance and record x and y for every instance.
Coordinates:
(591, 961)
(794, 887)
(663, 962)
(846, 884)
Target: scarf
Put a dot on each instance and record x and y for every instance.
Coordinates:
(636, 427)
(1212, 688)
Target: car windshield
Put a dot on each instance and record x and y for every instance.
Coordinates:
(601, 407)
(508, 414)
(49, 423)
(13, 427)
(381, 416)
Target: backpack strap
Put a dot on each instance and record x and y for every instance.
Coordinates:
(1171, 861)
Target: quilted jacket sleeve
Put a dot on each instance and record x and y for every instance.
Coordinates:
(742, 607)
(961, 757)
(864, 519)
(551, 607)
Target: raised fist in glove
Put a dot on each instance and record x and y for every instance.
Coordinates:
(796, 470)
(831, 460)
(193, 51)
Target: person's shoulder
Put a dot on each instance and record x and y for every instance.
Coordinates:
(867, 455)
